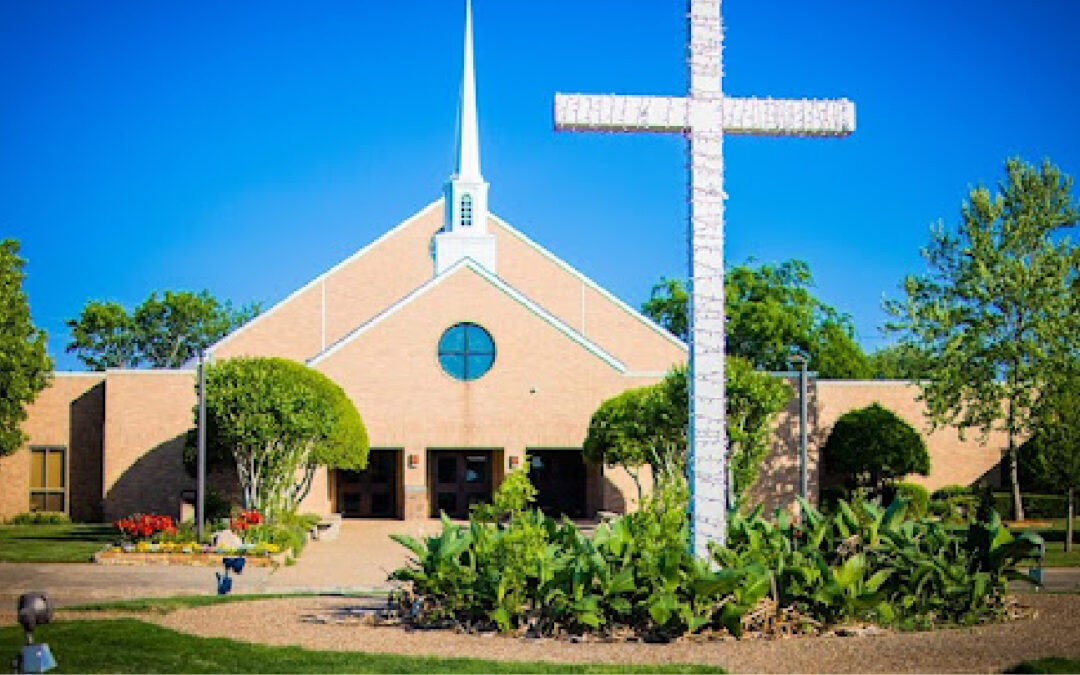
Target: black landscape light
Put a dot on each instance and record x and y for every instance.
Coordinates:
(34, 610)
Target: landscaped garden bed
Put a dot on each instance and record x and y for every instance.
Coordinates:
(210, 557)
(517, 571)
(152, 539)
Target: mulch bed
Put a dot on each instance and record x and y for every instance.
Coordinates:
(1053, 629)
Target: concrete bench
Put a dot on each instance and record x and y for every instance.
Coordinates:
(328, 528)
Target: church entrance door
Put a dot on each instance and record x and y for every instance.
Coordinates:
(559, 479)
(373, 492)
(458, 479)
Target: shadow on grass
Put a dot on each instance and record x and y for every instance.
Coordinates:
(131, 646)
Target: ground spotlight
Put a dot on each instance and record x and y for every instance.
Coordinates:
(34, 610)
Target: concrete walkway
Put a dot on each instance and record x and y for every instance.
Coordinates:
(359, 559)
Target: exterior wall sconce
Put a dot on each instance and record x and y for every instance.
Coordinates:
(414, 461)
(515, 462)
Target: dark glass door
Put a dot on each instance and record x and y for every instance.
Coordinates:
(373, 492)
(458, 479)
(559, 479)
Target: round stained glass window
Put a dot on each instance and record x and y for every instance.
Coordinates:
(466, 351)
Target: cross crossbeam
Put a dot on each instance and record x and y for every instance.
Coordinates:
(751, 116)
(704, 116)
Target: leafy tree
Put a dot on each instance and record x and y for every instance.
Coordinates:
(25, 367)
(668, 306)
(754, 399)
(278, 420)
(872, 447)
(771, 314)
(164, 331)
(994, 312)
(648, 425)
(899, 362)
(104, 336)
(1053, 452)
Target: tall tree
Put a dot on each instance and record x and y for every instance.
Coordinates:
(1053, 451)
(277, 420)
(993, 313)
(164, 331)
(771, 313)
(898, 362)
(25, 367)
(648, 425)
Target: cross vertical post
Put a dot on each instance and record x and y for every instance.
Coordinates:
(703, 118)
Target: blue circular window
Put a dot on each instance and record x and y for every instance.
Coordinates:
(466, 351)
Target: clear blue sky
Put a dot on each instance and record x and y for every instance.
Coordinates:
(244, 147)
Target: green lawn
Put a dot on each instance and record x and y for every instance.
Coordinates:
(1049, 665)
(130, 646)
(174, 603)
(1055, 544)
(53, 543)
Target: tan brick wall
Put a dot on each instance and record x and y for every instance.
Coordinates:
(62, 415)
(147, 414)
(541, 391)
(952, 460)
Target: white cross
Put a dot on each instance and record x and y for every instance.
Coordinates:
(704, 117)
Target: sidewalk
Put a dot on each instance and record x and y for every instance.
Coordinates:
(361, 558)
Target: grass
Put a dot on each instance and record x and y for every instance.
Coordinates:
(172, 604)
(53, 543)
(1048, 665)
(131, 646)
(1055, 544)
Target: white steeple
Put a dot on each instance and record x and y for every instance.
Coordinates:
(465, 233)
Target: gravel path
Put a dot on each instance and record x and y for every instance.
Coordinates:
(1054, 632)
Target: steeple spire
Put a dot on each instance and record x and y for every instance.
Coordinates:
(464, 233)
(468, 137)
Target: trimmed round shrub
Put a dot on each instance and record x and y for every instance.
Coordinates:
(872, 447)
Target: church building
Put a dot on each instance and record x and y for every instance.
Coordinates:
(465, 345)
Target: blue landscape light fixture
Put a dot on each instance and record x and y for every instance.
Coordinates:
(34, 609)
(224, 581)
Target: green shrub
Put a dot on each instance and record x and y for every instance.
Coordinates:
(40, 518)
(917, 497)
(872, 447)
(532, 573)
(1035, 505)
(950, 491)
(289, 532)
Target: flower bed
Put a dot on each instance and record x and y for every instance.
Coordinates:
(148, 538)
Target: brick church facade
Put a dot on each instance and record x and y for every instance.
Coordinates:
(464, 344)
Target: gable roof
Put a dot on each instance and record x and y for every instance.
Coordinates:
(468, 263)
(499, 222)
(319, 279)
(570, 269)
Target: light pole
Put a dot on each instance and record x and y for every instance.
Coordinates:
(200, 471)
(800, 361)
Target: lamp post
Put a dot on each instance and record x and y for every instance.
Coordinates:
(800, 361)
(200, 471)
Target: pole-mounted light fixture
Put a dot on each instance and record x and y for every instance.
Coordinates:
(800, 361)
